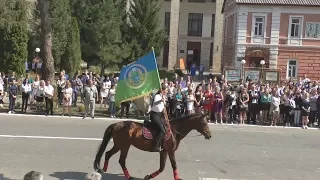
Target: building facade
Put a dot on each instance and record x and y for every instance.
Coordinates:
(197, 31)
(285, 34)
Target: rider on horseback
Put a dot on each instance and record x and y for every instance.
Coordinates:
(156, 116)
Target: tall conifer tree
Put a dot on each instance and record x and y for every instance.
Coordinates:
(14, 36)
(72, 58)
(143, 30)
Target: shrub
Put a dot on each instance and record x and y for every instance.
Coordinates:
(179, 72)
(81, 108)
(170, 74)
(17, 105)
(166, 74)
(95, 69)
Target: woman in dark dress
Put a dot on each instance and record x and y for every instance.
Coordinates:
(217, 106)
(305, 110)
(198, 101)
(243, 100)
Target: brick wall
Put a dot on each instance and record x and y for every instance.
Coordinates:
(308, 62)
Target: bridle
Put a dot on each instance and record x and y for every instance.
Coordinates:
(186, 135)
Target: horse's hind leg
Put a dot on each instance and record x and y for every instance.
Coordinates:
(108, 155)
(122, 162)
(163, 160)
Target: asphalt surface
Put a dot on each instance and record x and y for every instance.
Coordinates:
(64, 148)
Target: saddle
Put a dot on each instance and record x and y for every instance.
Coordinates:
(149, 131)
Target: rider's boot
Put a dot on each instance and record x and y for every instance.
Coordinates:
(157, 141)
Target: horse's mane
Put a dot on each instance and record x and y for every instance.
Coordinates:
(185, 118)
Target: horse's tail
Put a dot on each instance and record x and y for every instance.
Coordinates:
(106, 138)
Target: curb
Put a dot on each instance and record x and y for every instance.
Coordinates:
(136, 120)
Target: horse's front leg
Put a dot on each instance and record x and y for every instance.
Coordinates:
(163, 160)
(122, 162)
(172, 157)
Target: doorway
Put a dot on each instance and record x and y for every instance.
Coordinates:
(255, 62)
(165, 55)
(193, 53)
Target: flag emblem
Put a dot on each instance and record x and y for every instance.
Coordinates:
(136, 76)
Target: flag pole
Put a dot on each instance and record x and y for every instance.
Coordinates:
(166, 117)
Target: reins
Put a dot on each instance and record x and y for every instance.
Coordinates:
(186, 135)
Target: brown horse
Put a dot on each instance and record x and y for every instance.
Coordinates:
(127, 133)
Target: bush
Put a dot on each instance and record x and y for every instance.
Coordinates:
(170, 74)
(95, 69)
(17, 105)
(81, 108)
(166, 74)
(179, 72)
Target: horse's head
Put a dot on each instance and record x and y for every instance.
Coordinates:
(201, 125)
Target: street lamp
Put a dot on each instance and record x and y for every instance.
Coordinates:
(243, 62)
(37, 60)
(262, 63)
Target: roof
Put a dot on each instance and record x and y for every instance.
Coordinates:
(281, 2)
(277, 2)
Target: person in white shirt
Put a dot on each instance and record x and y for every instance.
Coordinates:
(1, 80)
(305, 80)
(156, 116)
(190, 102)
(105, 87)
(90, 95)
(111, 97)
(275, 109)
(48, 95)
(26, 91)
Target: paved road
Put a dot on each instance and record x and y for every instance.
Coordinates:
(234, 152)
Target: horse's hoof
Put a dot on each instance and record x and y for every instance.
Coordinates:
(147, 177)
(131, 178)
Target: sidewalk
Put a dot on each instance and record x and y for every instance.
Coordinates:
(140, 120)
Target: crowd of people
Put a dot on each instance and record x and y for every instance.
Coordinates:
(287, 103)
(34, 91)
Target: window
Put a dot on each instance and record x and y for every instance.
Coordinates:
(195, 24)
(312, 30)
(295, 27)
(292, 69)
(213, 24)
(259, 26)
(167, 22)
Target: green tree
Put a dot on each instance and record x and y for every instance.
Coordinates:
(100, 22)
(143, 30)
(14, 36)
(72, 59)
(60, 13)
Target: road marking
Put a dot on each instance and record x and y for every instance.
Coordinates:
(50, 137)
